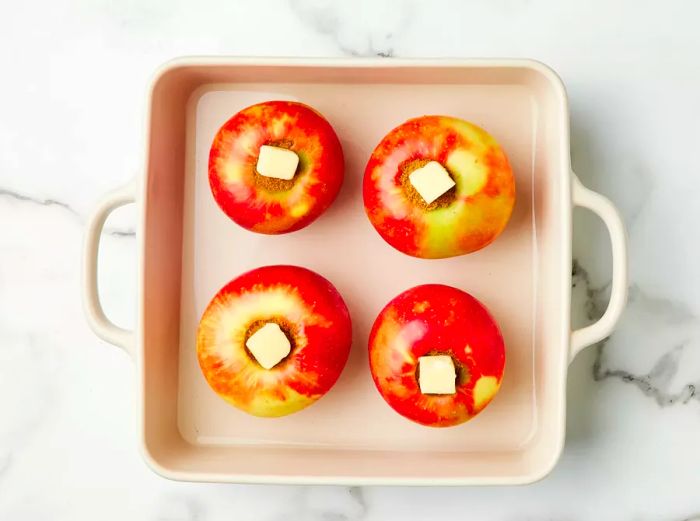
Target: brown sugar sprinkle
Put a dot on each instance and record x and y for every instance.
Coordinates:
(281, 143)
(272, 184)
(412, 194)
(289, 329)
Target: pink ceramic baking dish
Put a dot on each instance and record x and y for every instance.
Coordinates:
(189, 249)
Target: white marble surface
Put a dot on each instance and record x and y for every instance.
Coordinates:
(72, 94)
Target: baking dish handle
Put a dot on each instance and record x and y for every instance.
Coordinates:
(604, 209)
(96, 317)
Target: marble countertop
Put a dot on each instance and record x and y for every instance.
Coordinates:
(73, 95)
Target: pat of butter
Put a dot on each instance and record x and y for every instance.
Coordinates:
(277, 162)
(437, 374)
(269, 345)
(431, 181)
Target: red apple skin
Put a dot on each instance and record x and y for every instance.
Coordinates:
(436, 319)
(267, 207)
(319, 328)
(481, 202)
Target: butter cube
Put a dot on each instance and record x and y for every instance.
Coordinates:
(277, 162)
(269, 345)
(437, 374)
(431, 181)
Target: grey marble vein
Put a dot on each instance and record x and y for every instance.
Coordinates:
(349, 505)
(50, 202)
(35, 200)
(326, 19)
(5, 462)
(121, 233)
(35, 394)
(653, 383)
(328, 504)
(357, 494)
(594, 304)
(181, 508)
(656, 382)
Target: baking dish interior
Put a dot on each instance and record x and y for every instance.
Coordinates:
(190, 249)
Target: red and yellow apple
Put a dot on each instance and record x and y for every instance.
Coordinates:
(274, 340)
(445, 325)
(263, 202)
(465, 176)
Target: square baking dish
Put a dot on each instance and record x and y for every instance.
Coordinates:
(189, 249)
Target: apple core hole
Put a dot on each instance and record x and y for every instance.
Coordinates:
(412, 194)
(289, 330)
(272, 184)
(463, 375)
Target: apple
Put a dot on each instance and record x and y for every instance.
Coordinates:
(274, 340)
(275, 167)
(438, 186)
(436, 355)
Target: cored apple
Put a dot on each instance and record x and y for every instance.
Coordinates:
(274, 340)
(438, 186)
(436, 355)
(276, 166)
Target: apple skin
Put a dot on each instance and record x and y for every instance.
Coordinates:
(273, 206)
(316, 320)
(475, 212)
(428, 320)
